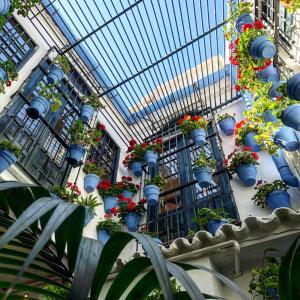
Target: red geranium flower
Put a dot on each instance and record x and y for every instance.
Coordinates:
(255, 156)
(132, 142)
(237, 87)
(8, 83)
(101, 126)
(247, 26)
(258, 24)
(236, 42)
(196, 118)
(247, 148)
(131, 205)
(225, 162)
(114, 211)
(144, 145)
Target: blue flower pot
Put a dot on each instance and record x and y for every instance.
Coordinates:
(4, 7)
(151, 193)
(90, 182)
(136, 168)
(7, 158)
(227, 126)
(293, 87)
(86, 113)
(76, 154)
(127, 194)
(132, 220)
(89, 216)
(198, 136)
(55, 74)
(3, 74)
(247, 174)
(103, 236)
(269, 74)
(203, 176)
(251, 142)
(109, 203)
(269, 117)
(150, 158)
(39, 106)
(213, 225)
(262, 47)
(291, 117)
(286, 138)
(273, 89)
(278, 199)
(242, 20)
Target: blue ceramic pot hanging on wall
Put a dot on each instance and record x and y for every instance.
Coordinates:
(86, 113)
(132, 220)
(242, 20)
(277, 199)
(291, 117)
(55, 74)
(3, 74)
(90, 182)
(198, 136)
(203, 176)
(39, 106)
(151, 193)
(269, 74)
(76, 154)
(7, 158)
(103, 236)
(293, 87)
(251, 142)
(262, 47)
(136, 168)
(247, 174)
(4, 7)
(227, 126)
(286, 138)
(150, 158)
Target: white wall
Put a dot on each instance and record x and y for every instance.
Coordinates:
(266, 170)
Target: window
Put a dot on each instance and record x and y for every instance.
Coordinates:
(182, 196)
(15, 43)
(106, 156)
(43, 142)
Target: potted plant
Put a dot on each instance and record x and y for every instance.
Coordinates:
(244, 164)
(57, 70)
(40, 104)
(91, 104)
(152, 189)
(151, 151)
(8, 73)
(291, 5)
(226, 122)
(245, 132)
(128, 188)
(93, 175)
(211, 219)
(203, 168)
(22, 7)
(265, 280)
(80, 138)
(107, 227)
(130, 212)
(9, 154)
(273, 194)
(133, 160)
(110, 192)
(194, 127)
(71, 193)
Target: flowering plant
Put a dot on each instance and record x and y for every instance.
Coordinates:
(10, 68)
(126, 184)
(242, 128)
(291, 5)
(91, 202)
(237, 158)
(109, 224)
(188, 123)
(155, 146)
(62, 62)
(80, 135)
(106, 188)
(90, 166)
(225, 116)
(136, 153)
(126, 205)
(264, 189)
(94, 101)
(156, 180)
(50, 93)
(204, 161)
(70, 192)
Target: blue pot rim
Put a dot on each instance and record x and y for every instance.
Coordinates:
(227, 118)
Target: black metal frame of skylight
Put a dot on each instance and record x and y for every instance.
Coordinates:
(145, 44)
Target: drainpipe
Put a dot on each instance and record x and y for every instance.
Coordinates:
(208, 251)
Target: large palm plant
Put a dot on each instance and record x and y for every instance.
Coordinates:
(29, 259)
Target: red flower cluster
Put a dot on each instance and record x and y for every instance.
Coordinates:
(114, 211)
(132, 142)
(126, 203)
(268, 62)
(105, 185)
(238, 125)
(247, 26)
(8, 83)
(101, 126)
(258, 24)
(233, 61)
(237, 87)
(73, 187)
(129, 178)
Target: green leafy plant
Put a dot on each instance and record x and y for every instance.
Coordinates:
(156, 146)
(204, 161)
(225, 116)
(237, 158)
(10, 67)
(126, 205)
(266, 278)
(90, 201)
(126, 184)
(156, 180)
(22, 7)
(62, 62)
(264, 189)
(106, 188)
(242, 128)
(189, 123)
(49, 92)
(9, 146)
(80, 135)
(110, 225)
(235, 10)
(204, 215)
(40, 218)
(57, 291)
(90, 166)
(157, 294)
(94, 101)
(135, 153)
